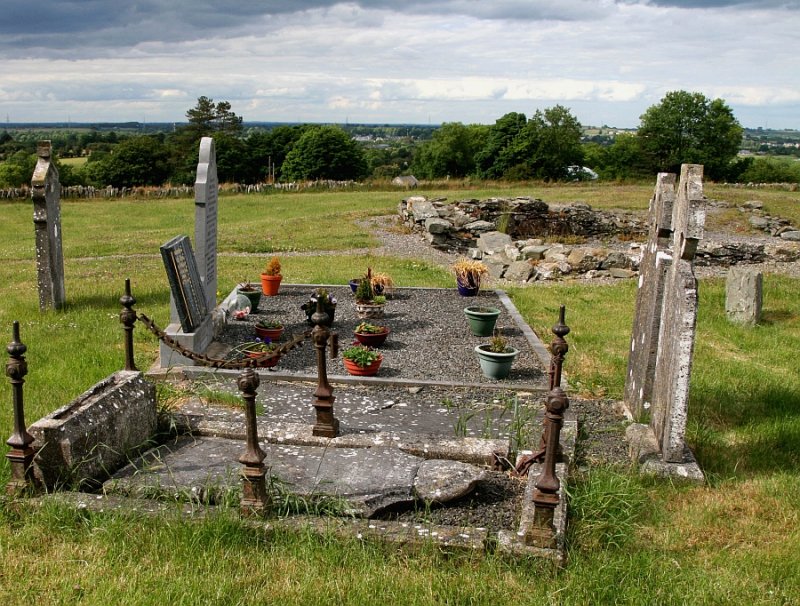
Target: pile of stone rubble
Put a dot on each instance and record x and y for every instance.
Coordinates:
(514, 237)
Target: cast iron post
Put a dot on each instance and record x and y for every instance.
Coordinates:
(545, 497)
(21, 454)
(255, 499)
(128, 318)
(327, 425)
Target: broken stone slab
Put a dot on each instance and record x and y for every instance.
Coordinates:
(479, 226)
(791, 236)
(97, 433)
(583, 259)
(368, 480)
(442, 481)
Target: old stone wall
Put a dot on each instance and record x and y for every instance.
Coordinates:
(515, 238)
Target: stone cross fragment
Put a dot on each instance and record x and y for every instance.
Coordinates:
(206, 189)
(679, 317)
(46, 195)
(656, 260)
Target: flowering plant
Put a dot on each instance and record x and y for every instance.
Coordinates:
(361, 354)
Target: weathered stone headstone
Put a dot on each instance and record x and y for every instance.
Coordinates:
(679, 317)
(206, 189)
(46, 194)
(656, 258)
(743, 295)
(185, 283)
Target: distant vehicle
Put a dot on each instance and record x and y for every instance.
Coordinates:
(581, 173)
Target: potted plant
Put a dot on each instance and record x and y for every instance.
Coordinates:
(368, 304)
(328, 305)
(469, 273)
(372, 335)
(496, 357)
(260, 350)
(252, 292)
(381, 283)
(361, 361)
(269, 329)
(482, 319)
(271, 277)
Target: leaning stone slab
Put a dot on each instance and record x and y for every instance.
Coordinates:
(656, 259)
(421, 209)
(94, 435)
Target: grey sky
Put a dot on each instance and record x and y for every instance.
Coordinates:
(380, 61)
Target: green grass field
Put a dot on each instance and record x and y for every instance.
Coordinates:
(631, 539)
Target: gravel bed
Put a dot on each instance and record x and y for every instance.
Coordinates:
(430, 338)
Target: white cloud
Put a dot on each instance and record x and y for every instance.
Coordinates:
(452, 60)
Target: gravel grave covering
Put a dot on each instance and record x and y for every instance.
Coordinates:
(430, 338)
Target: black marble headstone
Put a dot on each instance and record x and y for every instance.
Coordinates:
(184, 280)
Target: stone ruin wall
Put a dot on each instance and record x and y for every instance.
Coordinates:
(510, 235)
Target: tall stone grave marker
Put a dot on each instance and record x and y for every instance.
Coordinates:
(206, 190)
(656, 260)
(46, 194)
(679, 316)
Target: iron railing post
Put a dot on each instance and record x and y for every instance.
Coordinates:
(327, 425)
(21, 454)
(545, 496)
(255, 497)
(128, 318)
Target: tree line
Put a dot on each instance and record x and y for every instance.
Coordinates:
(549, 145)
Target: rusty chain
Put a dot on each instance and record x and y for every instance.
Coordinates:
(204, 360)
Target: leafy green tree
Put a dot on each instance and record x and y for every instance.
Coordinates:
(621, 160)
(492, 159)
(141, 160)
(545, 147)
(17, 169)
(689, 128)
(324, 152)
(268, 150)
(450, 152)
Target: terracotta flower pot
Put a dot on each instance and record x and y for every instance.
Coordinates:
(362, 371)
(270, 284)
(372, 339)
(266, 362)
(273, 334)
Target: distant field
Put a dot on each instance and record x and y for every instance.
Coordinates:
(73, 161)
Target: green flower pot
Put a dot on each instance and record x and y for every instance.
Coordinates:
(481, 319)
(495, 365)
